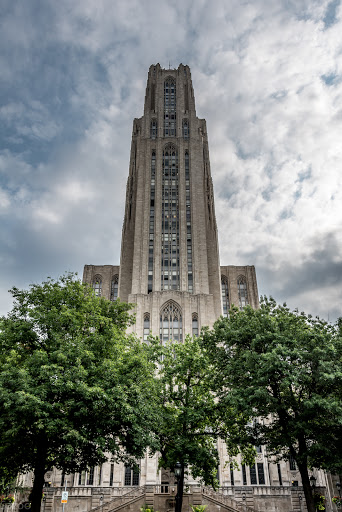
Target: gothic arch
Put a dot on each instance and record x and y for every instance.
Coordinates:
(97, 285)
(242, 291)
(171, 322)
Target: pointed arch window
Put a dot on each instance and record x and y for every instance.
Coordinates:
(186, 131)
(225, 296)
(114, 288)
(153, 129)
(169, 107)
(242, 291)
(171, 322)
(194, 324)
(97, 285)
(146, 327)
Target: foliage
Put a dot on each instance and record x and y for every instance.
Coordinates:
(187, 423)
(283, 369)
(146, 508)
(337, 500)
(198, 508)
(73, 385)
(319, 501)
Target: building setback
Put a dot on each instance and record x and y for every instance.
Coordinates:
(170, 270)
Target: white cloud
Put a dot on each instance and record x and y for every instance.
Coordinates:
(267, 77)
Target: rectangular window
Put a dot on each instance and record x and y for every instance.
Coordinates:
(261, 474)
(111, 477)
(90, 475)
(231, 475)
(253, 476)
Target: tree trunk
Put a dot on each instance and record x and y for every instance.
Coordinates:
(39, 472)
(308, 491)
(180, 489)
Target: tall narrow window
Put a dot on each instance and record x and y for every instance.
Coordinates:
(151, 225)
(114, 287)
(279, 475)
(242, 290)
(153, 131)
(252, 472)
(231, 475)
(188, 221)
(185, 129)
(111, 476)
(146, 327)
(194, 324)
(225, 295)
(292, 463)
(171, 323)
(90, 476)
(97, 285)
(99, 475)
(131, 476)
(170, 221)
(244, 475)
(169, 107)
(261, 474)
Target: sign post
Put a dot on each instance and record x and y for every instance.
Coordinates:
(64, 499)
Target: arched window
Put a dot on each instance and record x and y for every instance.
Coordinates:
(171, 322)
(170, 220)
(146, 327)
(225, 295)
(242, 290)
(97, 285)
(114, 287)
(186, 131)
(194, 324)
(153, 130)
(169, 107)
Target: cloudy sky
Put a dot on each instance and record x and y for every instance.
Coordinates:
(267, 76)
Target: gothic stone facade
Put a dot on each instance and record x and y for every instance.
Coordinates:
(170, 271)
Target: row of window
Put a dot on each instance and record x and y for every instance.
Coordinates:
(114, 286)
(242, 293)
(171, 120)
(170, 265)
(170, 323)
(93, 476)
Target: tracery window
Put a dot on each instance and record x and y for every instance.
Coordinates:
(153, 129)
(242, 291)
(169, 107)
(146, 327)
(171, 323)
(97, 285)
(194, 324)
(186, 131)
(225, 295)
(114, 287)
(170, 221)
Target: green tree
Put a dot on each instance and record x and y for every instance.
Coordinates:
(187, 422)
(283, 369)
(73, 385)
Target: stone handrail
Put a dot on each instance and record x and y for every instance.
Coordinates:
(227, 501)
(118, 501)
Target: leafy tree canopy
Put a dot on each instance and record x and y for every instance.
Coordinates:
(73, 385)
(283, 369)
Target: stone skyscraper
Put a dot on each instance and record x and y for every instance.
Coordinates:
(169, 254)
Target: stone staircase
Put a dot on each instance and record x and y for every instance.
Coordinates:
(124, 502)
(223, 502)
